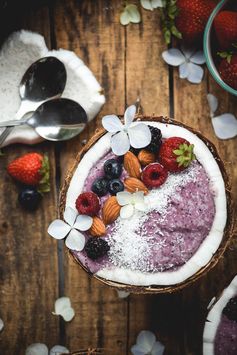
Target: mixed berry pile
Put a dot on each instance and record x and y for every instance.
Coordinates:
(146, 168)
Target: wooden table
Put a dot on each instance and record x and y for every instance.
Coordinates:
(34, 270)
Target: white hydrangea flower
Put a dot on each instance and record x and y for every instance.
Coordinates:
(1, 325)
(188, 62)
(225, 125)
(70, 228)
(129, 14)
(146, 344)
(122, 294)
(130, 202)
(58, 350)
(37, 349)
(136, 134)
(151, 4)
(63, 308)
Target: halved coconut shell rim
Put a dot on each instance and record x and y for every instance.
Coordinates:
(228, 232)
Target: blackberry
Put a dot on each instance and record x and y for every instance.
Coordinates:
(230, 310)
(156, 140)
(135, 151)
(96, 248)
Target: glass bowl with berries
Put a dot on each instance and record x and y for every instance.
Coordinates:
(146, 206)
(220, 45)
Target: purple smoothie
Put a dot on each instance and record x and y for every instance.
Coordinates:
(226, 337)
(167, 238)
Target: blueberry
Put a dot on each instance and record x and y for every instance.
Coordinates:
(115, 186)
(100, 186)
(112, 169)
(29, 198)
(96, 248)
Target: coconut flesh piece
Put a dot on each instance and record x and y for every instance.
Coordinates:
(214, 317)
(212, 240)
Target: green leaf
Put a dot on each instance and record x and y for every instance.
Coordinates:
(44, 184)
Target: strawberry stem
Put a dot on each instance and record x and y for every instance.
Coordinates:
(44, 184)
(184, 154)
(169, 12)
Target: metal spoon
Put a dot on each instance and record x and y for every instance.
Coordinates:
(44, 79)
(55, 120)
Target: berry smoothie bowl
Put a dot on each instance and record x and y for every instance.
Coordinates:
(146, 207)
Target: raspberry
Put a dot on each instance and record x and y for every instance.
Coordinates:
(96, 248)
(88, 203)
(154, 175)
(156, 140)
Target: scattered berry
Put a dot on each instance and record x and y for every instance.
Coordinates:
(115, 186)
(225, 24)
(176, 154)
(135, 151)
(112, 169)
(100, 186)
(192, 17)
(96, 248)
(29, 198)
(230, 310)
(156, 140)
(88, 203)
(228, 70)
(154, 175)
(31, 169)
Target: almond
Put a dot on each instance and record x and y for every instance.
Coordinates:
(146, 157)
(132, 165)
(132, 185)
(110, 210)
(98, 227)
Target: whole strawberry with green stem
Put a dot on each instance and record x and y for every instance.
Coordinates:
(31, 169)
(176, 154)
(225, 25)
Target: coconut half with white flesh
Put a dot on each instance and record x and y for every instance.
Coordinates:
(126, 273)
(220, 332)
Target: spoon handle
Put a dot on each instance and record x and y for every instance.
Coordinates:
(12, 123)
(5, 134)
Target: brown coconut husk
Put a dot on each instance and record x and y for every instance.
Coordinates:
(228, 232)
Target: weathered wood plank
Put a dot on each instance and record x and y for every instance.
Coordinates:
(28, 257)
(91, 29)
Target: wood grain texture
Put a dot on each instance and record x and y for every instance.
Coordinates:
(92, 30)
(28, 257)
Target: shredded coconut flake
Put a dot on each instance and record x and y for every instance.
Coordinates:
(130, 246)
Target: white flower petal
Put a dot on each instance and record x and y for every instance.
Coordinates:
(63, 308)
(124, 198)
(124, 18)
(58, 350)
(37, 349)
(133, 13)
(120, 143)
(83, 222)
(1, 325)
(135, 350)
(60, 304)
(70, 215)
(213, 102)
(173, 57)
(129, 115)
(75, 240)
(140, 206)
(138, 197)
(112, 123)
(146, 340)
(139, 135)
(146, 4)
(68, 314)
(58, 229)
(123, 294)
(187, 52)
(225, 126)
(126, 211)
(195, 73)
(156, 3)
(183, 70)
(198, 58)
(158, 349)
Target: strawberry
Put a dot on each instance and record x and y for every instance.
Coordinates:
(228, 69)
(31, 169)
(176, 154)
(225, 25)
(192, 17)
